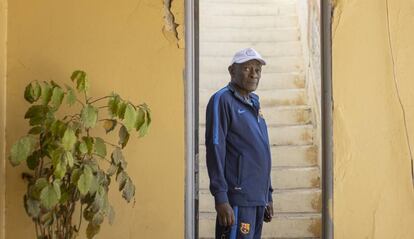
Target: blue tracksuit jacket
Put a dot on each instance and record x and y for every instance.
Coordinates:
(238, 152)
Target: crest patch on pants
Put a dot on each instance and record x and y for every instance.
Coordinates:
(245, 228)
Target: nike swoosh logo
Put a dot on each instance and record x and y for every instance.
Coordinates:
(240, 111)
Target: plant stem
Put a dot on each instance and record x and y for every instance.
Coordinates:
(105, 97)
(80, 217)
(80, 102)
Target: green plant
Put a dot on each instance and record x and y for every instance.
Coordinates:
(70, 168)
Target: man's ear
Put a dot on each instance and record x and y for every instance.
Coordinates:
(231, 70)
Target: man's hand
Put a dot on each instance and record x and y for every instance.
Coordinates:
(268, 212)
(225, 214)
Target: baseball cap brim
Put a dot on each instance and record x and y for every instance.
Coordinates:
(245, 59)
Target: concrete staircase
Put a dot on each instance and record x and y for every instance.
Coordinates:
(271, 27)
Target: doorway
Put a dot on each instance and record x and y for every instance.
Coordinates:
(295, 98)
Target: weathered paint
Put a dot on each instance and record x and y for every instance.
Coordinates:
(122, 47)
(373, 95)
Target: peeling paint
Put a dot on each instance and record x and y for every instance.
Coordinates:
(172, 29)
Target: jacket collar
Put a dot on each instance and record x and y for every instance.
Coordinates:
(236, 94)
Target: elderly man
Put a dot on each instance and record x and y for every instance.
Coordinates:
(238, 152)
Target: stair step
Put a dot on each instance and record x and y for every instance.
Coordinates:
(291, 135)
(247, 9)
(268, 98)
(282, 178)
(287, 201)
(269, 81)
(294, 156)
(266, 49)
(256, 35)
(274, 64)
(284, 135)
(282, 156)
(279, 2)
(278, 116)
(281, 227)
(289, 97)
(247, 22)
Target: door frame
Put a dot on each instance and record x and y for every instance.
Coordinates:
(191, 116)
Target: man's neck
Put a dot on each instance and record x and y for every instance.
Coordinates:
(241, 92)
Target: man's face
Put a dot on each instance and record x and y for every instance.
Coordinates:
(246, 75)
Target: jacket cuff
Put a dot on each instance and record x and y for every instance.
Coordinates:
(221, 197)
(269, 195)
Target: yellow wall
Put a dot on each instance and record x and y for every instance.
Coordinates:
(3, 60)
(123, 47)
(373, 190)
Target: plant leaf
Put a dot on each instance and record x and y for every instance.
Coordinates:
(118, 158)
(111, 215)
(123, 136)
(89, 143)
(122, 179)
(32, 92)
(69, 139)
(121, 110)
(85, 181)
(92, 230)
(69, 159)
(113, 105)
(32, 206)
(50, 195)
(36, 114)
(83, 149)
(82, 83)
(89, 116)
(21, 150)
(60, 169)
(130, 117)
(129, 190)
(57, 97)
(71, 96)
(109, 125)
(46, 93)
(140, 118)
(36, 130)
(33, 160)
(100, 147)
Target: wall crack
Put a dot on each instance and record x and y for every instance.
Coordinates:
(394, 72)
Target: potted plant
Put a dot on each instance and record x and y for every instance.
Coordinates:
(70, 167)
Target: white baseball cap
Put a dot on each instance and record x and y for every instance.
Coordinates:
(247, 54)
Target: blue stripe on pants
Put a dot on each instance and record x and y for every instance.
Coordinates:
(233, 232)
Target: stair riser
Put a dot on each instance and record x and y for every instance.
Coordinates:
(267, 98)
(277, 116)
(269, 81)
(288, 135)
(245, 22)
(236, 9)
(282, 156)
(266, 49)
(289, 35)
(278, 228)
(281, 178)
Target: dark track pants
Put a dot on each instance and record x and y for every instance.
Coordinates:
(248, 225)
